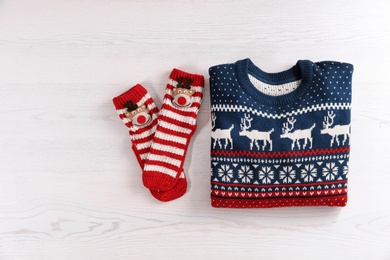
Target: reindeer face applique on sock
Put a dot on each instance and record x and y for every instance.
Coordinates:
(182, 93)
(137, 114)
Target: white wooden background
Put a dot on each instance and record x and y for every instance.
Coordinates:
(70, 186)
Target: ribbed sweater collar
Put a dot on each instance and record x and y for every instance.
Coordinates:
(303, 70)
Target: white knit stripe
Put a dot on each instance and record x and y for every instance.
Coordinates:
(121, 111)
(170, 137)
(197, 89)
(173, 126)
(144, 145)
(165, 159)
(274, 90)
(168, 148)
(196, 99)
(174, 83)
(167, 125)
(178, 117)
(151, 106)
(168, 91)
(144, 156)
(143, 100)
(187, 109)
(157, 168)
(125, 120)
(144, 134)
(133, 128)
(318, 107)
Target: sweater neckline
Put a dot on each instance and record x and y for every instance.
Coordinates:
(302, 70)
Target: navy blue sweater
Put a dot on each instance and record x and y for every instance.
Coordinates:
(280, 139)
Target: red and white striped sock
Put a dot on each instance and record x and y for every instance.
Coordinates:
(142, 122)
(176, 125)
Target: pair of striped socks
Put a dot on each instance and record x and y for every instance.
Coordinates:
(160, 139)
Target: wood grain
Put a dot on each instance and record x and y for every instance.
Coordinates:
(70, 184)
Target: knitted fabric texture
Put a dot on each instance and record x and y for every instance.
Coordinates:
(138, 112)
(176, 125)
(280, 139)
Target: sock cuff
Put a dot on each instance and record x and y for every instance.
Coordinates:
(135, 94)
(198, 80)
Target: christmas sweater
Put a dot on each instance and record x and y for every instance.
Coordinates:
(280, 139)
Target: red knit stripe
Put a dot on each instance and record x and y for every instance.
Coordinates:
(164, 164)
(167, 96)
(180, 112)
(163, 148)
(167, 150)
(141, 151)
(172, 132)
(146, 128)
(176, 122)
(279, 194)
(166, 153)
(284, 154)
(338, 201)
(198, 94)
(169, 143)
(153, 111)
(149, 101)
(145, 139)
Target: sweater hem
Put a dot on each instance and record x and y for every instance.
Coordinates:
(332, 201)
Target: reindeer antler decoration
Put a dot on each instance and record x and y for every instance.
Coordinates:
(130, 105)
(187, 83)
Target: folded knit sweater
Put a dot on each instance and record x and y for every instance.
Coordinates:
(280, 139)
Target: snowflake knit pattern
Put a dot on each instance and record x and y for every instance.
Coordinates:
(280, 139)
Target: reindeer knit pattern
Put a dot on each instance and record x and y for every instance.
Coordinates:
(280, 139)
